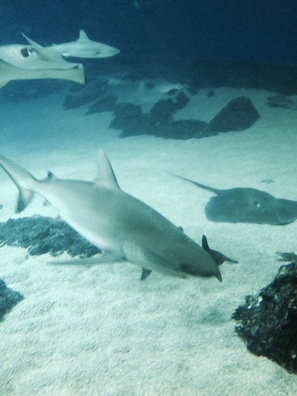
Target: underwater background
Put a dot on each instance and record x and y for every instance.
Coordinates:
(206, 90)
(208, 29)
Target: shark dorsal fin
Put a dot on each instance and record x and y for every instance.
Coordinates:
(106, 176)
(83, 35)
(51, 176)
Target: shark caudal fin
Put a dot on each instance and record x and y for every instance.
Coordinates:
(23, 179)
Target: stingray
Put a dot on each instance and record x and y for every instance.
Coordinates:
(247, 205)
(28, 62)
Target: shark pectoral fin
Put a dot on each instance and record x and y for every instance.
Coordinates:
(145, 273)
(24, 199)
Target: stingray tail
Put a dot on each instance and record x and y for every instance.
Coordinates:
(208, 188)
(23, 179)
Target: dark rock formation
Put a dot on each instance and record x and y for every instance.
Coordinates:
(159, 122)
(45, 235)
(85, 95)
(8, 299)
(239, 114)
(107, 103)
(282, 101)
(268, 321)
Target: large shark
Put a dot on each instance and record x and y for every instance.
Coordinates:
(119, 224)
(85, 48)
(28, 62)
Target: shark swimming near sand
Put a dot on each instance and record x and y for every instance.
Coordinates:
(28, 62)
(83, 47)
(123, 227)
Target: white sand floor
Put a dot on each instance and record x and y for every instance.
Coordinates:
(98, 330)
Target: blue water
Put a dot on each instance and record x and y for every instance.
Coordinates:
(99, 330)
(245, 30)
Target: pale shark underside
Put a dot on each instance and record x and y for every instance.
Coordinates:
(118, 223)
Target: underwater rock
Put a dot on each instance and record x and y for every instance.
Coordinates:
(159, 121)
(162, 112)
(107, 103)
(268, 321)
(84, 95)
(8, 299)
(282, 101)
(130, 119)
(145, 124)
(239, 114)
(184, 129)
(42, 235)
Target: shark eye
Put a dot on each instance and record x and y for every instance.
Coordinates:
(258, 204)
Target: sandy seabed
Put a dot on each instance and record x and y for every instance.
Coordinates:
(98, 330)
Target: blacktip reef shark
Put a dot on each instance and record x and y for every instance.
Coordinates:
(28, 62)
(247, 205)
(85, 48)
(122, 226)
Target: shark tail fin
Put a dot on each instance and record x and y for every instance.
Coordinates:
(23, 179)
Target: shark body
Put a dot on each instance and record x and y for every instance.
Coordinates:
(27, 62)
(116, 222)
(85, 48)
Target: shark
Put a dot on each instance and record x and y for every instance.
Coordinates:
(28, 62)
(83, 47)
(123, 227)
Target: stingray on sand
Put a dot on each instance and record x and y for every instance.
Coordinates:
(247, 205)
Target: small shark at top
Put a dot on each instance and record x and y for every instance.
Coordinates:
(85, 48)
(123, 227)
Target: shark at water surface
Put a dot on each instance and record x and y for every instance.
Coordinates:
(85, 48)
(117, 223)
